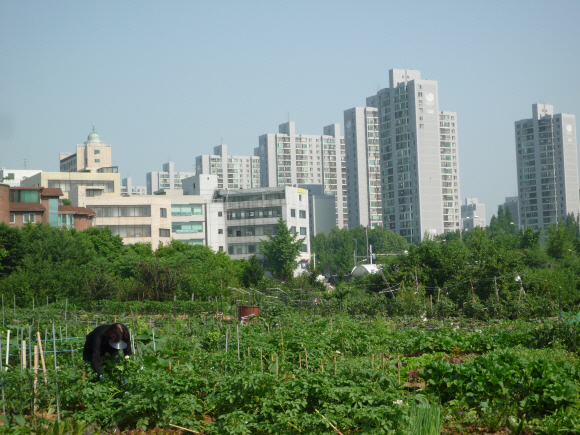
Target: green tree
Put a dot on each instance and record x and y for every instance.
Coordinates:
(281, 251)
(252, 273)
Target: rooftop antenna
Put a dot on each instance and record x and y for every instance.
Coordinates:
(288, 116)
(26, 159)
(93, 128)
(378, 87)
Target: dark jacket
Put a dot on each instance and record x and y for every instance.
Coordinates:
(97, 345)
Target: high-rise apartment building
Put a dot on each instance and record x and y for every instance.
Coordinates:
(419, 157)
(290, 159)
(93, 154)
(242, 172)
(472, 214)
(363, 169)
(168, 179)
(512, 203)
(127, 188)
(547, 162)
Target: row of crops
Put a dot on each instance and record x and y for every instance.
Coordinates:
(308, 371)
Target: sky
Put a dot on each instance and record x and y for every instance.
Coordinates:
(170, 80)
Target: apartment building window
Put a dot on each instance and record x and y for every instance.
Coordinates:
(12, 218)
(293, 230)
(164, 233)
(304, 247)
(119, 211)
(292, 212)
(97, 160)
(220, 231)
(221, 248)
(97, 151)
(129, 230)
(220, 214)
(29, 218)
(163, 212)
(302, 214)
(302, 231)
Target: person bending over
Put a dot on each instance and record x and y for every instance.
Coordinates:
(106, 340)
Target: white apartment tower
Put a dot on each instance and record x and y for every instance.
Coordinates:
(363, 167)
(166, 180)
(419, 155)
(290, 159)
(547, 161)
(243, 172)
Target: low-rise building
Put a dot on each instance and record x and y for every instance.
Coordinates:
(68, 181)
(136, 219)
(13, 177)
(22, 205)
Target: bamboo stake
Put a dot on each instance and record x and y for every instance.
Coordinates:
(472, 291)
(23, 353)
(261, 361)
(399, 367)
(249, 353)
(72, 354)
(276, 364)
(2, 376)
(183, 428)
(35, 370)
(321, 366)
(334, 365)
(300, 360)
(56, 374)
(431, 301)
(306, 354)
(331, 425)
(373, 361)
(282, 335)
(83, 377)
(42, 358)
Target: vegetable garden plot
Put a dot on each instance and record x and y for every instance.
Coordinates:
(363, 374)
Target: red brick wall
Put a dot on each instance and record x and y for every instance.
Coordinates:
(4, 203)
(19, 215)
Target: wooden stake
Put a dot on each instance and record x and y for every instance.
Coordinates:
(321, 366)
(431, 300)
(282, 335)
(334, 365)
(72, 354)
(276, 364)
(42, 358)
(248, 353)
(300, 359)
(331, 425)
(306, 355)
(373, 361)
(23, 354)
(183, 428)
(35, 369)
(83, 378)
(399, 367)
(261, 361)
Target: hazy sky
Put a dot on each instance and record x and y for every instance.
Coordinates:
(170, 79)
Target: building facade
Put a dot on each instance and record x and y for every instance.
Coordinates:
(547, 164)
(39, 205)
(321, 209)
(93, 154)
(512, 203)
(67, 181)
(127, 188)
(234, 172)
(472, 214)
(167, 179)
(419, 157)
(290, 159)
(145, 219)
(13, 177)
(250, 215)
(363, 167)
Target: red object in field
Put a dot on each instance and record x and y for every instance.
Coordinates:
(247, 314)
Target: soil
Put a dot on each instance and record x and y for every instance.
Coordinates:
(477, 430)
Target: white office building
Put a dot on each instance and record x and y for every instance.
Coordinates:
(13, 177)
(290, 159)
(419, 157)
(167, 179)
(472, 214)
(547, 162)
(363, 167)
(234, 172)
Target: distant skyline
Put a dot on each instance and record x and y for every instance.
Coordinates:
(161, 79)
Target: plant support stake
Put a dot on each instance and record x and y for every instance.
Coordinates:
(55, 373)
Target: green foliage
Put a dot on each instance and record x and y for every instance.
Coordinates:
(252, 272)
(281, 251)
